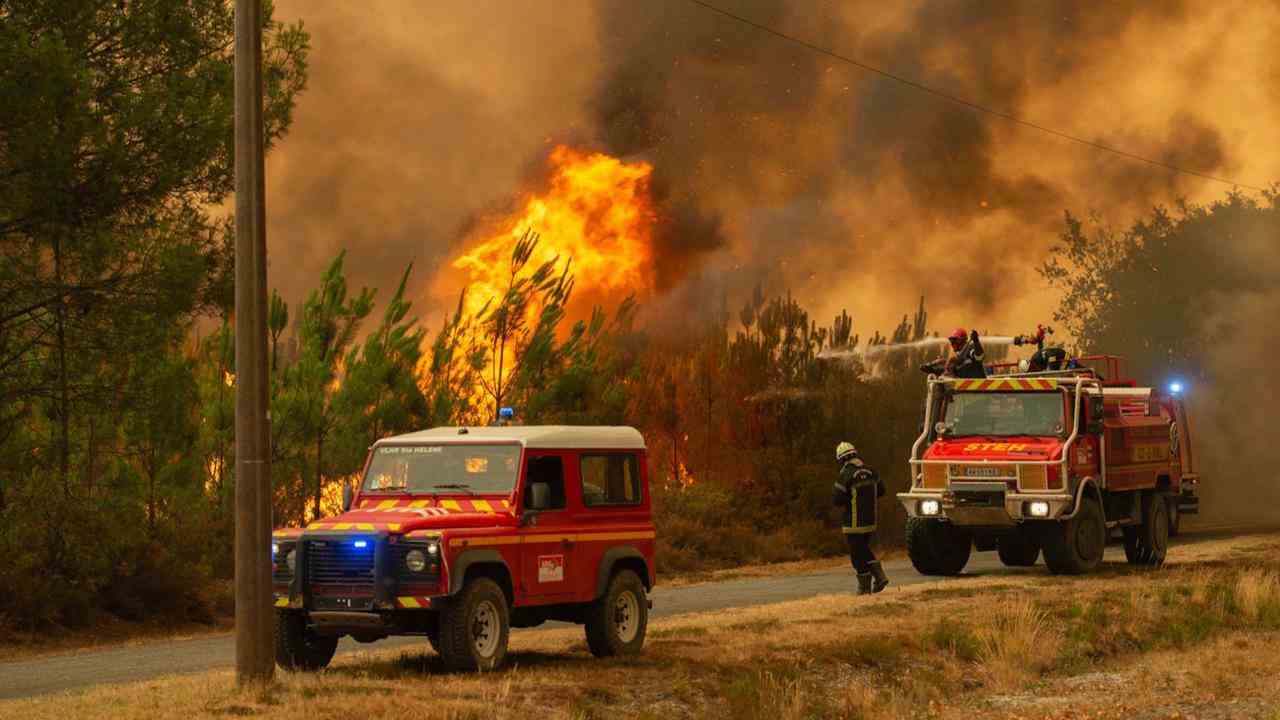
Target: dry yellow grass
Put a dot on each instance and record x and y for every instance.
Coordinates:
(1189, 636)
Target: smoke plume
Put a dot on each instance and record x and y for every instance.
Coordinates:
(773, 163)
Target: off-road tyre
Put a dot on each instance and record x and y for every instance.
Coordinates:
(937, 548)
(474, 627)
(298, 648)
(1018, 550)
(617, 621)
(1175, 517)
(1075, 546)
(1148, 543)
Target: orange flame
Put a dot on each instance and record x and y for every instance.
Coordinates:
(596, 213)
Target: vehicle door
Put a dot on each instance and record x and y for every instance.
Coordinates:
(614, 510)
(548, 572)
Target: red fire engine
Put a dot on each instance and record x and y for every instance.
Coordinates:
(1048, 461)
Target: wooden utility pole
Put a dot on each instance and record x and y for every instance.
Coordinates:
(255, 661)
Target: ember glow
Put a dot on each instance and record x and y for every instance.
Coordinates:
(595, 213)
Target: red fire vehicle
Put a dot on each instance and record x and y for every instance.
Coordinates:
(1050, 461)
(458, 534)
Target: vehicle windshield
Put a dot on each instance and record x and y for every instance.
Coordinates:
(1015, 413)
(465, 469)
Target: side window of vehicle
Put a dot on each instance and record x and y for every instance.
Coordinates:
(610, 479)
(550, 471)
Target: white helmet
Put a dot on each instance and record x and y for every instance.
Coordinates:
(1024, 365)
(845, 450)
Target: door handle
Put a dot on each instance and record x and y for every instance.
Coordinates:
(566, 542)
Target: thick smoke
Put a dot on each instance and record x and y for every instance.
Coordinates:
(773, 163)
(417, 117)
(1235, 412)
(850, 189)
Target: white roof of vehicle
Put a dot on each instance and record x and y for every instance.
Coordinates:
(549, 437)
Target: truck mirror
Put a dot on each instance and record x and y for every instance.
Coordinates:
(1097, 410)
(346, 496)
(539, 496)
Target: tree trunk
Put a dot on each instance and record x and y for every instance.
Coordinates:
(64, 394)
(319, 472)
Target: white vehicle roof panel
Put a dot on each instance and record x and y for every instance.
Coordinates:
(546, 437)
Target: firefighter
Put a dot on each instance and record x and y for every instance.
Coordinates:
(1051, 358)
(966, 359)
(856, 492)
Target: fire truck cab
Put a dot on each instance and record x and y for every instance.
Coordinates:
(1050, 462)
(459, 534)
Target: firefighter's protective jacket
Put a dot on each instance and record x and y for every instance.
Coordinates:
(968, 363)
(856, 492)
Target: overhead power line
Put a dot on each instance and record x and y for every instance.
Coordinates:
(967, 103)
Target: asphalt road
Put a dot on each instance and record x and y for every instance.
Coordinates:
(134, 663)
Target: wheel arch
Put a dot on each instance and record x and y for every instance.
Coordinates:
(623, 557)
(481, 563)
(1088, 489)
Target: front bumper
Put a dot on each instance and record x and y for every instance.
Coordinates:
(985, 505)
(378, 583)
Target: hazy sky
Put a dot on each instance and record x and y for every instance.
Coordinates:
(774, 163)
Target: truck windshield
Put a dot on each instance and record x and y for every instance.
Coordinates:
(1014, 413)
(479, 469)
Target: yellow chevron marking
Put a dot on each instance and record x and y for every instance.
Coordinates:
(393, 527)
(386, 504)
(506, 504)
(409, 602)
(450, 505)
(482, 505)
(419, 503)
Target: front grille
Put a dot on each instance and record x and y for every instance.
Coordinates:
(339, 567)
(979, 498)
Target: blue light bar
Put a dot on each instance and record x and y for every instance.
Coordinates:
(361, 543)
(1175, 387)
(506, 413)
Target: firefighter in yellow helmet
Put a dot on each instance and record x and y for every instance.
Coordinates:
(856, 492)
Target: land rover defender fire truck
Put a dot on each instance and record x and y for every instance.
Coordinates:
(1050, 461)
(458, 534)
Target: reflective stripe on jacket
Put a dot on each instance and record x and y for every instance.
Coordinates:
(855, 493)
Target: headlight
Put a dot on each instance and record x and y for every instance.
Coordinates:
(929, 507)
(1038, 509)
(433, 549)
(415, 560)
(290, 559)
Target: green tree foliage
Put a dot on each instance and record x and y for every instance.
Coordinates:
(381, 394)
(520, 325)
(312, 403)
(115, 139)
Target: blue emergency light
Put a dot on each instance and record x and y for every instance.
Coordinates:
(361, 543)
(506, 413)
(1175, 388)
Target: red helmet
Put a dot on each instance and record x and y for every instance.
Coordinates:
(958, 337)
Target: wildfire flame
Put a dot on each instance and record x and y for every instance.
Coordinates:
(596, 213)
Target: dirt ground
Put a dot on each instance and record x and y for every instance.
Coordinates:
(1199, 638)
